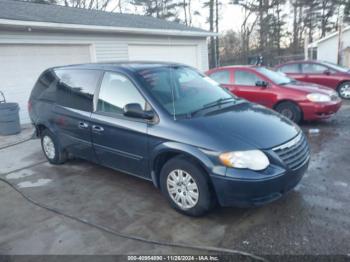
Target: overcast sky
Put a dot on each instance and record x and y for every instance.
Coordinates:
(231, 16)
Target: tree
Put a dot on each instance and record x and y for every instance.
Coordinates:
(186, 5)
(326, 11)
(50, 2)
(230, 48)
(210, 5)
(164, 9)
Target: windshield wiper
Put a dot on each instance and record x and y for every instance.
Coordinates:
(217, 102)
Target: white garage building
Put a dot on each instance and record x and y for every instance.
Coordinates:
(34, 37)
(327, 48)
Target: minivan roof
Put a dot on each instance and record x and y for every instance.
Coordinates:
(113, 65)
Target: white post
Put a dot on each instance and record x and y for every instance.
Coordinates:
(306, 47)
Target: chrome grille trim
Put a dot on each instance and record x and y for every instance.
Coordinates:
(289, 144)
(294, 153)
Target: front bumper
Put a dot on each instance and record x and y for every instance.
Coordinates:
(314, 111)
(246, 188)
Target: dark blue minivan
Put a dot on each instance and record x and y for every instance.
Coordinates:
(171, 125)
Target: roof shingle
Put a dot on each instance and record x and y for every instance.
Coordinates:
(27, 11)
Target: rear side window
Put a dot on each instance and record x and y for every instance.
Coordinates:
(222, 77)
(45, 87)
(290, 68)
(76, 87)
(311, 68)
(117, 91)
(245, 78)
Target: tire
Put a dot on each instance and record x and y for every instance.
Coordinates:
(51, 148)
(197, 181)
(289, 110)
(344, 90)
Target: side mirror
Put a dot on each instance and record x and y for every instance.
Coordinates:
(262, 84)
(135, 110)
(327, 72)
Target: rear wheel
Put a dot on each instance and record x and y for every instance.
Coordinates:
(51, 148)
(186, 187)
(344, 90)
(289, 110)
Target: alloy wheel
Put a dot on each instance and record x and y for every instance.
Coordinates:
(287, 113)
(344, 91)
(49, 147)
(182, 189)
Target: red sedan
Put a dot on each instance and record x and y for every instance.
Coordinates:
(295, 100)
(319, 72)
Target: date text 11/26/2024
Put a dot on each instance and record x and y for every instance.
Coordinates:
(174, 258)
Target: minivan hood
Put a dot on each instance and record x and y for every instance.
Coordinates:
(243, 125)
(310, 88)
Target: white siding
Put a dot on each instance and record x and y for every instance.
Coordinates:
(328, 49)
(107, 47)
(20, 66)
(102, 47)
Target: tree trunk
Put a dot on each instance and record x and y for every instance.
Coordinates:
(217, 55)
(185, 11)
(212, 39)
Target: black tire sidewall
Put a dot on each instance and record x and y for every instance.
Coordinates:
(205, 201)
(297, 115)
(58, 159)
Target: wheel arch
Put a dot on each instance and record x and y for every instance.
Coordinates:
(40, 127)
(167, 151)
(342, 82)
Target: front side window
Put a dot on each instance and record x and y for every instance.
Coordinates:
(277, 78)
(76, 87)
(117, 91)
(311, 68)
(336, 67)
(245, 78)
(222, 77)
(182, 90)
(290, 68)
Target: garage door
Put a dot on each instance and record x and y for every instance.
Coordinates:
(186, 54)
(20, 66)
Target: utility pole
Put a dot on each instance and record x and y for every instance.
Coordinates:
(340, 34)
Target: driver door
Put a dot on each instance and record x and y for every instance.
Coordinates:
(119, 142)
(319, 74)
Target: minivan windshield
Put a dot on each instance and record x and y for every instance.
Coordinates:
(184, 91)
(277, 78)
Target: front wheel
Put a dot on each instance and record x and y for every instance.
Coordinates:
(289, 110)
(186, 187)
(344, 90)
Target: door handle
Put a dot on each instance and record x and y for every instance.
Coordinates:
(97, 128)
(83, 125)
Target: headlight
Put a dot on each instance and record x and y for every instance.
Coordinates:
(251, 159)
(316, 97)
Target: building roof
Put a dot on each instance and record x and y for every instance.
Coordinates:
(329, 36)
(44, 15)
(130, 65)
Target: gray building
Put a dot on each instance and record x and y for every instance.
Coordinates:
(34, 37)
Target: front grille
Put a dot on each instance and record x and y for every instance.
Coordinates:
(294, 153)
